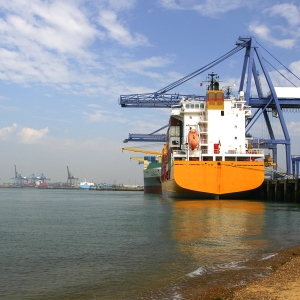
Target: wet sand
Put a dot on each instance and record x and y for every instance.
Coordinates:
(282, 282)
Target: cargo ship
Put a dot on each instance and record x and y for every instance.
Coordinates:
(152, 172)
(207, 154)
(152, 169)
(85, 184)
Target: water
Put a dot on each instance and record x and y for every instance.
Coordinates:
(74, 244)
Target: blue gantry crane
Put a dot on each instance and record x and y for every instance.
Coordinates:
(151, 137)
(19, 179)
(272, 102)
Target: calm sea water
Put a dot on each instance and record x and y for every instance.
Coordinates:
(75, 244)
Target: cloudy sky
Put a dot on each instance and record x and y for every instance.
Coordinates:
(64, 64)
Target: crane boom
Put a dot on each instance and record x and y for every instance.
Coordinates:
(143, 151)
(139, 159)
(161, 98)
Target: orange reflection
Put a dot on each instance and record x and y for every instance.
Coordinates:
(224, 226)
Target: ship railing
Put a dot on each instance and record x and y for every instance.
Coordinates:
(182, 153)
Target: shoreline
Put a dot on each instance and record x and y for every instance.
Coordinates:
(276, 276)
(283, 281)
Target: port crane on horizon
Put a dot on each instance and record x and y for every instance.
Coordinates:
(263, 103)
(20, 180)
(72, 180)
(43, 178)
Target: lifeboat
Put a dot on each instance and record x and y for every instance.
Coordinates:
(193, 139)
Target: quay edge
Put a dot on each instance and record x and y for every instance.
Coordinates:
(279, 190)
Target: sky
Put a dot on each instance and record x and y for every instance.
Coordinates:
(64, 64)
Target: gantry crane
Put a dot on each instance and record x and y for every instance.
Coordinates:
(19, 179)
(43, 178)
(71, 179)
(263, 103)
(151, 137)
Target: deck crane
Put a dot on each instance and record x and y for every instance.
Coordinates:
(143, 151)
(263, 103)
(139, 159)
(144, 160)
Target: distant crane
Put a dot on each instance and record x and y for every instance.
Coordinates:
(71, 179)
(42, 178)
(19, 179)
(32, 178)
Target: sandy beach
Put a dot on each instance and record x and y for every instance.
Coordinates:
(282, 283)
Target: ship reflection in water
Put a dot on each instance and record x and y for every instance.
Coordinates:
(215, 232)
(221, 242)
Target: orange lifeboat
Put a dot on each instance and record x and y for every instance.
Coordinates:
(193, 138)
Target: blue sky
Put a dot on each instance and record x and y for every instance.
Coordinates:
(63, 65)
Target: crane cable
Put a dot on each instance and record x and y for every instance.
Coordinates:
(279, 61)
(279, 72)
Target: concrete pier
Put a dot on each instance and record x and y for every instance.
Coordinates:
(287, 190)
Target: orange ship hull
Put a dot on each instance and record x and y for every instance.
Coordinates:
(213, 179)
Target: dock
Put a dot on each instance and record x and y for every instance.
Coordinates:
(117, 188)
(279, 190)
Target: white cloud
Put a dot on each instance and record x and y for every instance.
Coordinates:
(44, 42)
(283, 27)
(295, 67)
(264, 32)
(207, 7)
(52, 42)
(104, 117)
(6, 131)
(121, 4)
(32, 136)
(118, 32)
(288, 11)
(58, 26)
(3, 98)
(142, 66)
(26, 135)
